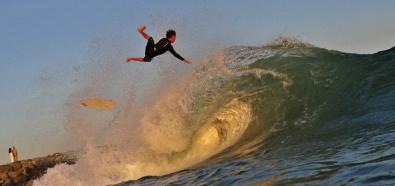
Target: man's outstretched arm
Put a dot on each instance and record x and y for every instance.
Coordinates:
(175, 54)
(186, 61)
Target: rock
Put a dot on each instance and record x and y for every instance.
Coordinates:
(5, 168)
(15, 173)
(9, 182)
(3, 178)
(25, 171)
(16, 166)
(28, 170)
(18, 176)
(20, 179)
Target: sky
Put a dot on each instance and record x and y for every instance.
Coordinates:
(43, 42)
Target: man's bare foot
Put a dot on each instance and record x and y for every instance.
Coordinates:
(141, 29)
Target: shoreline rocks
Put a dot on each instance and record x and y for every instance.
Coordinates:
(25, 171)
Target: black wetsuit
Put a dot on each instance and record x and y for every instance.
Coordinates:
(152, 50)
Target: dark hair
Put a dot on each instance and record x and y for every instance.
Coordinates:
(9, 150)
(170, 33)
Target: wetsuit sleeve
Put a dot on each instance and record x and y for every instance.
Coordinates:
(175, 54)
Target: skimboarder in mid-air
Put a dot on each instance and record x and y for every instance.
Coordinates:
(152, 50)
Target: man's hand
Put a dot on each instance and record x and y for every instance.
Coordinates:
(186, 61)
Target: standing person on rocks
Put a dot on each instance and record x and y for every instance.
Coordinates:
(11, 155)
(15, 153)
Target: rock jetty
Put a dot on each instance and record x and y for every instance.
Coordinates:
(24, 172)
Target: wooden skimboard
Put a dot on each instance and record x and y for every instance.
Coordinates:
(98, 103)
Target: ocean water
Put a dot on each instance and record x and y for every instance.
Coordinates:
(285, 113)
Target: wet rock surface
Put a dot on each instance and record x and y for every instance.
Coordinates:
(25, 171)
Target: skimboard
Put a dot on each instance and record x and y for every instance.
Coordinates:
(98, 103)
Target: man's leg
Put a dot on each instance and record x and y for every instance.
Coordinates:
(149, 49)
(141, 31)
(140, 59)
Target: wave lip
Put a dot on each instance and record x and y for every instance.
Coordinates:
(238, 56)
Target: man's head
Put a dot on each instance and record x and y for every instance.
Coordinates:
(171, 35)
